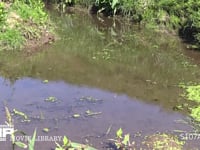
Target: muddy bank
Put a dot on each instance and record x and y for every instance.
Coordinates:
(33, 45)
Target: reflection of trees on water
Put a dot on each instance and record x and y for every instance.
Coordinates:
(115, 28)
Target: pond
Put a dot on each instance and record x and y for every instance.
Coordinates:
(103, 74)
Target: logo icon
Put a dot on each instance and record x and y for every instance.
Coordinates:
(5, 130)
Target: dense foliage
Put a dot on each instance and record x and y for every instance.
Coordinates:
(182, 15)
(30, 9)
(2, 13)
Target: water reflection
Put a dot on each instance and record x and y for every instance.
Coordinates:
(28, 95)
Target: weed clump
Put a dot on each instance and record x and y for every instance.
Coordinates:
(22, 22)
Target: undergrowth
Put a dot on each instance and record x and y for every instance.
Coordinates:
(180, 15)
(192, 93)
(21, 21)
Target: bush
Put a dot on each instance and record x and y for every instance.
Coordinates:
(182, 15)
(2, 14)
(11, 39)
(31, 10)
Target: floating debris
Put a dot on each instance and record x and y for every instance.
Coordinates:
(19, 113)
(178, 107)
(90, 99)
(179, 131)
(46, 130)
(42, 115)
(8, 116)
(109, 129)
(45, 81)
(90, 113)
(51, 99)
(76, 115)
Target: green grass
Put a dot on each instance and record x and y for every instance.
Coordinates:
(11, 39)
(21, 21)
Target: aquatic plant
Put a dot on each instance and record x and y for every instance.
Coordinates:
(158, 141)
(195, 113)
(67, 145)
(163, 141)
(29, 146)
(121, 141)
(16, 112)
(31, 142)
(193, 93)
(51, 99)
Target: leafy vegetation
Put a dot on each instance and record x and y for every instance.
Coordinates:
(164, 141)
(192, 93)
(195, 113)
(122, 141)
(2, 13)
(31, 10)
(158, 141)
(29, 146)
(67, 145)
(181, 15)
(11, 39)
(19, 113)
(21, 21)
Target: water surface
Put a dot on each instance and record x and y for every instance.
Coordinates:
(131, 74)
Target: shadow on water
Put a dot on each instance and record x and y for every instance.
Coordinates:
(128, 75)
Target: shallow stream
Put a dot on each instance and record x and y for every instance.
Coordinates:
(101, 75)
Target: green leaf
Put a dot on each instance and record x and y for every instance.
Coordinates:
(21, 145)
(114, 3)
(115, 10)
(31, 142)
(45, 130)
(126, 139)
(58, 146)
(16, 112)
(81, 146)
(45, 81)
(51, 99)
(13, 137)
(65, 141)
(119, 133)
(76, 115)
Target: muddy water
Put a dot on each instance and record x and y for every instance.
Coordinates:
(127, 75)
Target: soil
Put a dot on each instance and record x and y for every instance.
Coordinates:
(32, 45)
